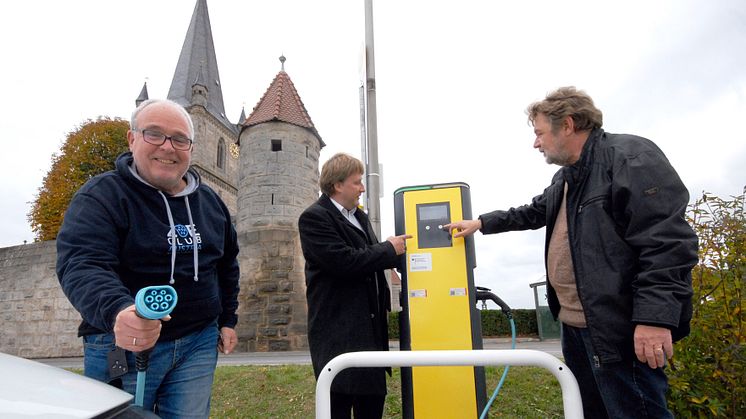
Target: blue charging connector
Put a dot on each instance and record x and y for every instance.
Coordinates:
(152, 303)
(155, 302)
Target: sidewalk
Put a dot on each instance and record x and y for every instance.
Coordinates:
(551, 346)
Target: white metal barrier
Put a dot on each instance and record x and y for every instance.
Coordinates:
(573, 406)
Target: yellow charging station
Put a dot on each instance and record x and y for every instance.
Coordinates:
(438, 302)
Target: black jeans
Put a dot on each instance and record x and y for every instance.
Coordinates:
(369, 406)
(624, 389)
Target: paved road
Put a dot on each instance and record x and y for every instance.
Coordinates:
(302, 357)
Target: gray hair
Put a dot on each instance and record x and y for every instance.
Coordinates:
(564, 102)
(145, 104)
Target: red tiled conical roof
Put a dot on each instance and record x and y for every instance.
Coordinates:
(281, 102)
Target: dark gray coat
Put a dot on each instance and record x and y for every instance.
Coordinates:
(347, 293)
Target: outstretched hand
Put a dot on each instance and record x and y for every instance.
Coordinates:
(463, 228)
(400, 243)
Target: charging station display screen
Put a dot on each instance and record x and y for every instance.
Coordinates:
(430, 221)
(433, 212)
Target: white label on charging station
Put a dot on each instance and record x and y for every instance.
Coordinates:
(457, 292)
(418, 293)
(420, 262)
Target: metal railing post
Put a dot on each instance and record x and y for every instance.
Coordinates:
(573, 406)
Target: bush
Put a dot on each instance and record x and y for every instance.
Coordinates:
(708, 372)
(494, 323)
(89, 150)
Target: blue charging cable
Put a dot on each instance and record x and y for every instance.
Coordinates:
(505, 373)
(152, 303)
(484, 294)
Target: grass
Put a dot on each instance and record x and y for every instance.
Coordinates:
(288, 391)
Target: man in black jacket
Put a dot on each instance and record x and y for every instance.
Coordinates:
(618, 254)
(347, 293)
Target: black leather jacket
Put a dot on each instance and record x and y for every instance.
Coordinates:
(631, 246)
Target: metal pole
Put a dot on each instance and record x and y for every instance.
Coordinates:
(372, 174)
(572, 403)
(363, 139)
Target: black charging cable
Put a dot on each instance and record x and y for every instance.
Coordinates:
(484, 294)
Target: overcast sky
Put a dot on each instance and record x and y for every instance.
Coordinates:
(453, 81)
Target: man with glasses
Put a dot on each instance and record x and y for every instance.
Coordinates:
(151, 222)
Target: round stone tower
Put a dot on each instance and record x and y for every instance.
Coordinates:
(278, 179)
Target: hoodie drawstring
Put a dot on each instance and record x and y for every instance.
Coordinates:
(193, 232)
(172, 235)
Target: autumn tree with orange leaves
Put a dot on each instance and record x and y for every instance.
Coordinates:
(89, 150)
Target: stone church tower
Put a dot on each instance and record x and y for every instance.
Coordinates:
(278, 179)
(266, 188)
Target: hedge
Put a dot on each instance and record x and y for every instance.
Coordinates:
(494, 323)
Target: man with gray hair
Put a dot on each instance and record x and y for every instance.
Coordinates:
(618, 253)
(151, 222)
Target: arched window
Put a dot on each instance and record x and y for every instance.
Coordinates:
(221, 154)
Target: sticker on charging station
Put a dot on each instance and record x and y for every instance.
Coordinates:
(420, 262)
(418, 294)
(457, 292)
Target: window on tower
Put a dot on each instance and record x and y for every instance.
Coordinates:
(221, 154)
(276, 145)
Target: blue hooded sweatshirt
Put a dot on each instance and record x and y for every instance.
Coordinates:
(120, 234)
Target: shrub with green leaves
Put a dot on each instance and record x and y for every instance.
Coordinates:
(494, 323)
(708, 373)
(89, 150)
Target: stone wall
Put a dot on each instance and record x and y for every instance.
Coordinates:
(272, 303)
(36, 319)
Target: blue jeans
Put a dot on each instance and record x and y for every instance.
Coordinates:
(624, 389)
(179, 378)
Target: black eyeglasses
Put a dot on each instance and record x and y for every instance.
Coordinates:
(178, 142)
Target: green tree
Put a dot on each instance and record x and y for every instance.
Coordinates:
(708, 375)
(89, 150)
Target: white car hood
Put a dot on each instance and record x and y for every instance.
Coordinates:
(33, 389)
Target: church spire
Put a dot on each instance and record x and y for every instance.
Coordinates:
(242, 118)
(198, 65)
(143, 94)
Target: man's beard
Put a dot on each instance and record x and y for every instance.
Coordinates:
(560, 159)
